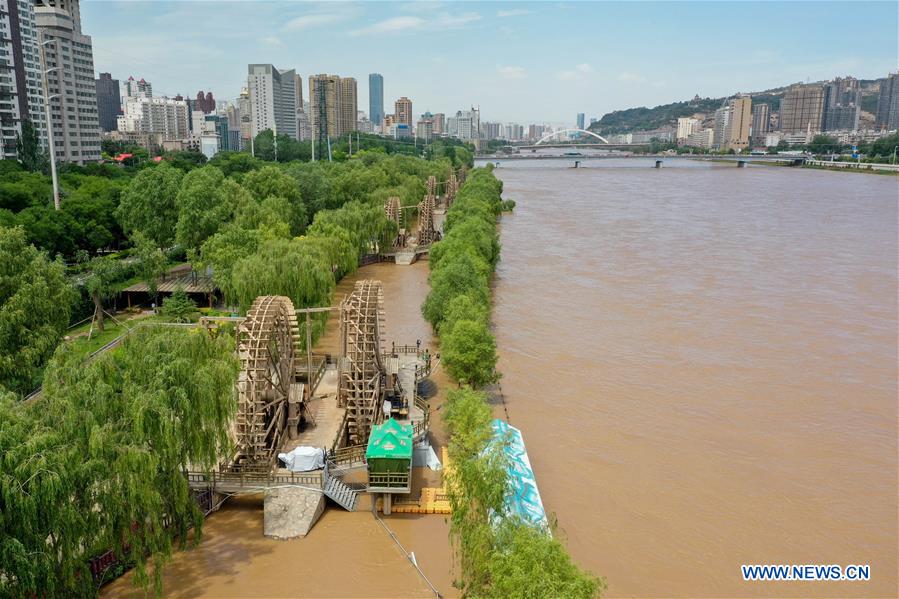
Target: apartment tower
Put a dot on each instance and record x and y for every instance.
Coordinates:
(71, 85)
(21, 86)
(402, 110)
(888, 103)
(802, 109)
(109, 102)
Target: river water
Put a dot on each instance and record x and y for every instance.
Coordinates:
(703, 362)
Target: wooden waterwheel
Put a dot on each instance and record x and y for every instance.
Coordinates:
(427, 233)
(267, 344)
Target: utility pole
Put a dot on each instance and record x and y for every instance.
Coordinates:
(47, 98)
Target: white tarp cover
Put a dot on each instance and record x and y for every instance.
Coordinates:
(303, 459)
(423, 455)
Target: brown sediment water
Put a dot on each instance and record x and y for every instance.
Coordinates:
(703, 362)
(345, 554)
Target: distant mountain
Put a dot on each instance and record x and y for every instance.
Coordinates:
(666, 115)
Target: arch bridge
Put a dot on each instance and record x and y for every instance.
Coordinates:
(573, 130)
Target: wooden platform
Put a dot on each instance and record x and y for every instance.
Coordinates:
(432, 500)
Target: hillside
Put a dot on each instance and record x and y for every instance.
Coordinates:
(646, 119)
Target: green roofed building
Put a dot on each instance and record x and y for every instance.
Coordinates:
(389, 457)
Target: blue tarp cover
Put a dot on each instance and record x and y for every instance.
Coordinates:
(523, 499)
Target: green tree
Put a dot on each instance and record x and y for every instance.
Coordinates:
(35, 306)
(272, 182)
(206, 201)
(151, 261)
(823, 144)
(178, 307)
(100, 281)
(149, 204)
(469, 353)
(223, 250)
(98, 463)
(28, 148)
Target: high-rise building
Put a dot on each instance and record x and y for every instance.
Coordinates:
(109, 102)
(244, 107)
(402, 110)
(70, 83)
(722, 123)
(467, 124)
(376, 98)
(493, 130)
(424, 129)
(303, 130)
(802, 109)
(888, 103)
(332, 105)
(273, 104)
(686, 126)
(740, 122)
(439, 123)
(21, 85)
(163, 116)
(842, 104)
(138, 89)
(761, 119)
(349, 105)
(580, 120)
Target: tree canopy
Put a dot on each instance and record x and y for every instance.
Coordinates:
(149, 204)
(35, 305)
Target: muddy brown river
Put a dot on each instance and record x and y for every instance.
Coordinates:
(703, 362)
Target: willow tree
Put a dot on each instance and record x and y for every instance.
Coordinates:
(206, 202)
(298, 270)
(98, 463)
(35, 306)
(148, 204)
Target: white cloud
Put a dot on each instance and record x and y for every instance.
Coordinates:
(631, 77)
(578, 72)
(272, 40)
(447, 20)
(411, 23)
(391, 25)
(510, 72)
(516, 12)
(314, 20)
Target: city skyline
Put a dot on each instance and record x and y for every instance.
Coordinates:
(493, 54)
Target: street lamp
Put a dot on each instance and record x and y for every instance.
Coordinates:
(894, 154)
(47, 98)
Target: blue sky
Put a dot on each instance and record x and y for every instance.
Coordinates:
(520, 61)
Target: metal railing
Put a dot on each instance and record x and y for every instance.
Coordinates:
(421, 427)
(253, 480)
(347, 456)
(388, 480)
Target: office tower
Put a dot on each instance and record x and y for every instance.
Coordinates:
(402, 111)
(376, 98)
(333, 105)
(740, 122)
(761, 119)
(349, 105)
(109, 102)
(888, 103)
(802, 109)
(21, 83)
(210, 103)
(76, 128)
(842, 104)
(138, 89)
(580, 120)
(273, 104)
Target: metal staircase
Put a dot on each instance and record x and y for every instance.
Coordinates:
(344, 495)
